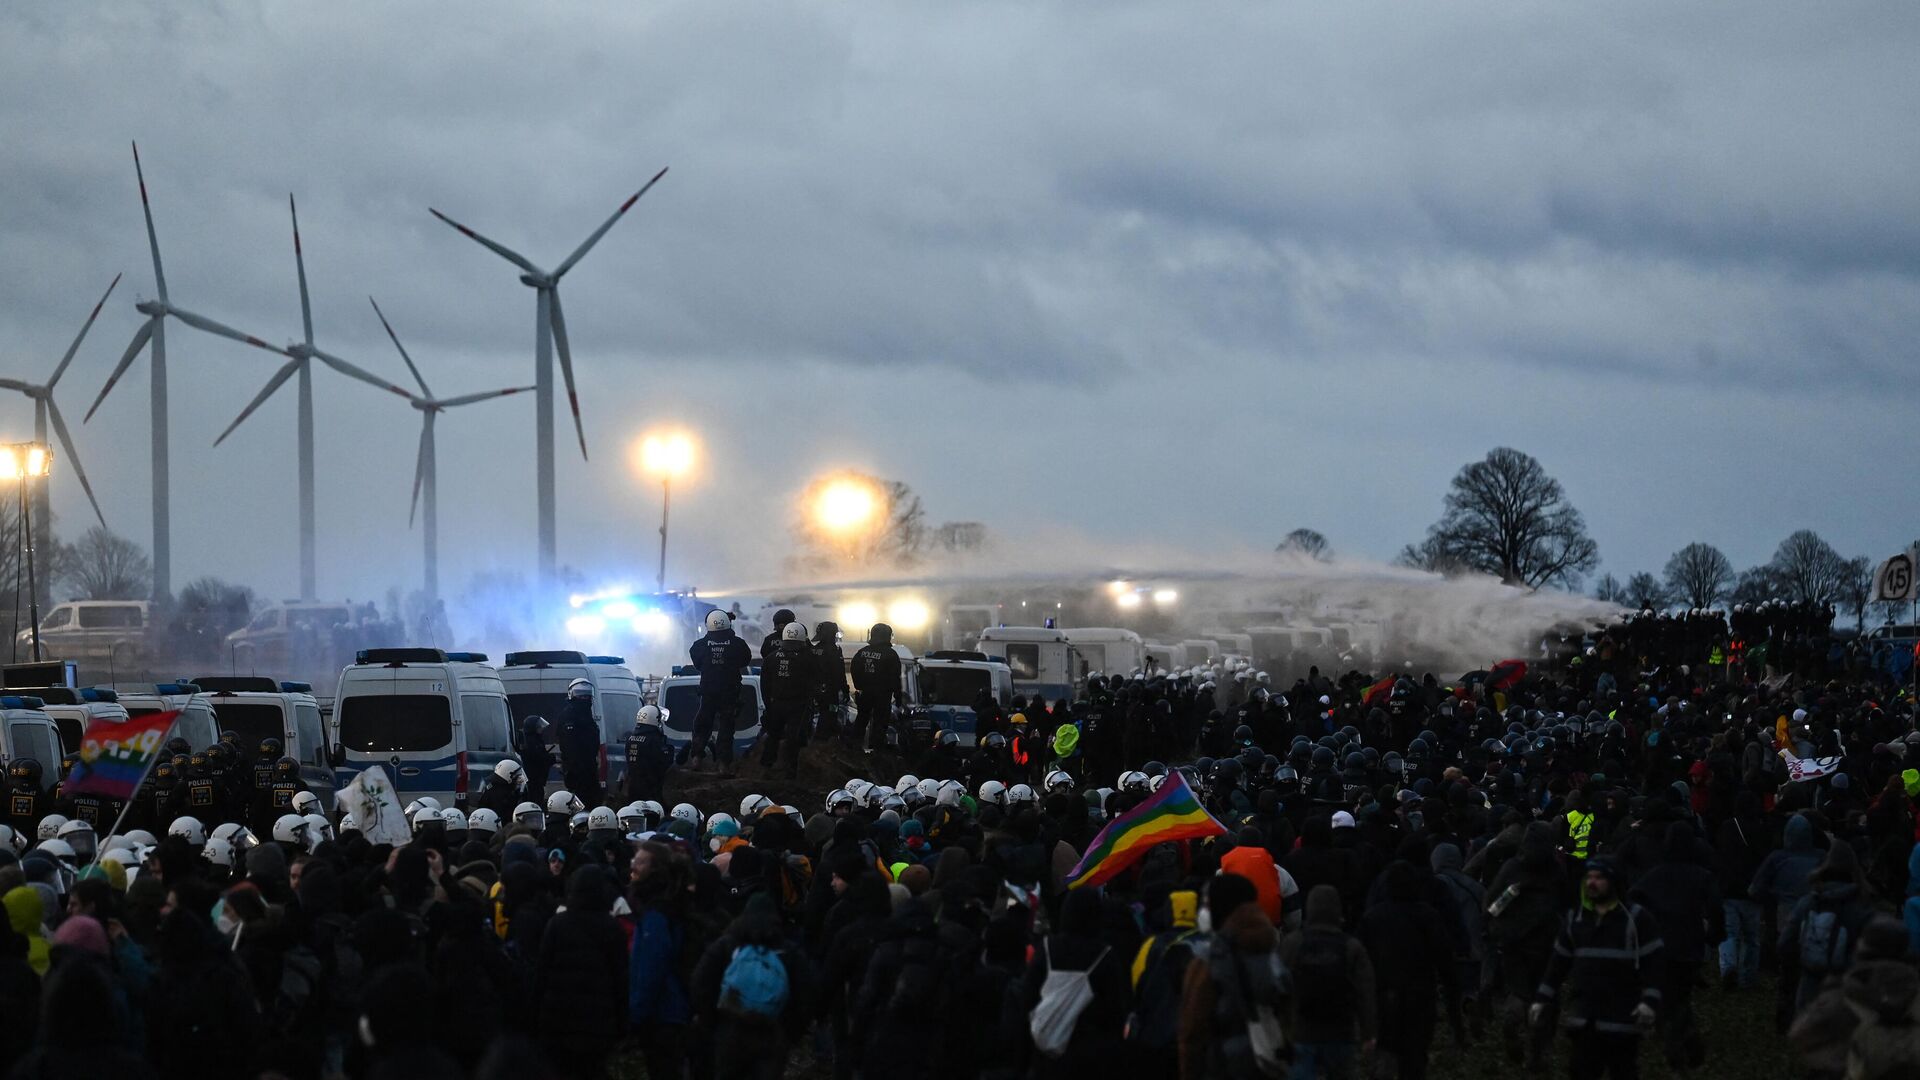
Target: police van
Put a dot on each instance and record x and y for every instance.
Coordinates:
(1109, 650)
(679, 698)
(537, 683)
(30, 735)
(255, 707)
(951, 683)
(434, 720)
(111, 633)
(196, 724)
(1041, 659)
(72, 710)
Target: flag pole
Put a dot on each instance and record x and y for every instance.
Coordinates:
(127, 805)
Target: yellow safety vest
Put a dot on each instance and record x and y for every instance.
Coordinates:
(1579, 828)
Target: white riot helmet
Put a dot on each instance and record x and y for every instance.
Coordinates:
(190, 830)
(793, 631)
(564, 802)
(753, 806)
(1154, 782)
(858, 789)
(993, 793)
(718, 620)
(879, 794)
(1059, 781)
(714, 822)
(428, 800)
(530, 815)
(580, 689)
(648, 716)
(141, 838)
(1134, 781)
(1020, 795)
(794, 815)
(510, 773)
(688, 813)
(482, 820)
(422, 818)
(654, 813)
(929, 789)
(632, 818)
(320, 830)
(907, 782)
(60, 850)
(305, 802)
(230, 832)
(950, 793)
(602, 818)
(290, 829)
(454, 818)
(80, 836)
(50, 826)
(893, 804)
(126, 857)
(348, 824)
(838, 800)
(578, 822)
(12, 840)
(219, 852)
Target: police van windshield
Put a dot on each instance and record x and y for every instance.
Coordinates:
(952, 686)
(394, 723)
(252, 721)
(27, 740)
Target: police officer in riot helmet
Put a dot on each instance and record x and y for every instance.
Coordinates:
(286, 784)
(580, 742)
(648, 754)
(876, 683)
(721, 657)
(203, 794)
(780, 620)
(829, 679)
(787, 683)
(260, 811)
(27, 802)
(536, 757)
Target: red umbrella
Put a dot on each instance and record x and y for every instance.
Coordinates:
(1506, 674)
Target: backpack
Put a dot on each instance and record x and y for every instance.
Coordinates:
(299, 976)
(1249, 1038)
(1823, 942)
(1323, 988)
(755, 984)
(1155, 1019)
(1063, 997)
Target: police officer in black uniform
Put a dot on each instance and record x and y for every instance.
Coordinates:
(788, 684)
(203, 796)
(829, 679)
(876, 682)
(580, 743)
(286, 784)
(720, 657)
(649, 755)
(537, 758)
(26, 802)
(260, 812)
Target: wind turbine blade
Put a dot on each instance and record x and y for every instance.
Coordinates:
(501, 250)
(487, 395)
(201, 322)
(355, 372)
(424, 392)
(608, 224)
(153, 242)
(420, 464)
(140, 339)
(73, 458)
(15, 384)
(81, 336)
(286, 372)
(300, 260)
(566, 370)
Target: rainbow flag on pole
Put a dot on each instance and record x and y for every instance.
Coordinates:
(1172, 813)
(116, 754)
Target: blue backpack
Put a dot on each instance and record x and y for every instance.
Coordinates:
(755, 984)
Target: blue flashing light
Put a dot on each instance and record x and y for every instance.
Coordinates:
(467, 657)
(21, 701)
(614, 660)
(95, 693)
(685, 669)
(296, 688)
(171, 689)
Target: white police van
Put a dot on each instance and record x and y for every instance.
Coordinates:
(29, 735)
(1040, 658)
(951, 683)
(72, 710)
(196, 724)
(537, 683)
(255, 707)
(679, 698)
(433, 720)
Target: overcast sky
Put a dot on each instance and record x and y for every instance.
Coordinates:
(1187, 274)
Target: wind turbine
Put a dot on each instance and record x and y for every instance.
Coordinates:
(426, 472)
(44, 409)
(299, 362)
(154, 331)
(549, 332)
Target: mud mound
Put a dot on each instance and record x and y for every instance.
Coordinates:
(824, 766)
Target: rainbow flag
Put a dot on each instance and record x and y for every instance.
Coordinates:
(116, 754)
(1378, 691)
(1172, 813)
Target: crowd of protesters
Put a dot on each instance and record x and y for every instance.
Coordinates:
(1555, 860)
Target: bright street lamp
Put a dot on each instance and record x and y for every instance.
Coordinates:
(666, 455)
(24, 462)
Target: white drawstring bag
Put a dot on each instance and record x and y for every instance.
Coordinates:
(1063, 997)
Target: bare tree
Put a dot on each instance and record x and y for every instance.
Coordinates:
(1755, 585)
(1856, 589)
(207, 610)
(1808, 569)
(104, 566)
(1699, 575)
(1645, 591)
(1308, 542)
(1505, 516)
(1609, 589)
(1430, 555)
(895, 533)
(954, 537)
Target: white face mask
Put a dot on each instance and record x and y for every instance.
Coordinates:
(223, 921)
